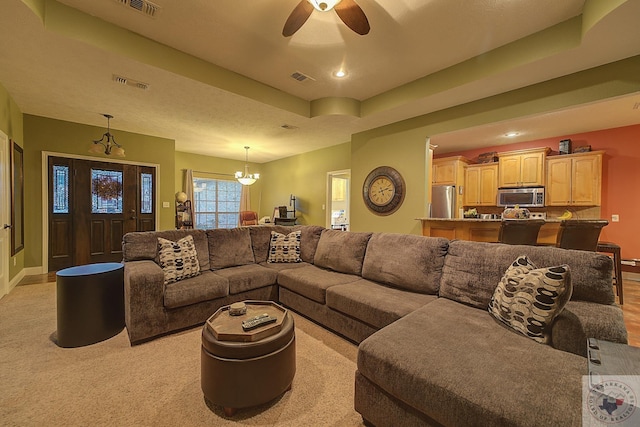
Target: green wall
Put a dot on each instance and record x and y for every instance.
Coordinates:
(43, 134)
(11, 124)
(402, 145)
(304, 176)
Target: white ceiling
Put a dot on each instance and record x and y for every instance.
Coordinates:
(69, 77)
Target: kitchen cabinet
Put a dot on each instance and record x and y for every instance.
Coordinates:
(448, 170)
(481, 185)
(522, 168)
(574, 179)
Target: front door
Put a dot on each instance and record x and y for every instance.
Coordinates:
(92, 205)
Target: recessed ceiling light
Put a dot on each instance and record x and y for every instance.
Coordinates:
(340, 74)
(511, 134)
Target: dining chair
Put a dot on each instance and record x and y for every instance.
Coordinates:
(580, 234)
(520, 231)
(248, 218)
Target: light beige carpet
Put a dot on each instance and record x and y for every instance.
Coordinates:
(152, 384)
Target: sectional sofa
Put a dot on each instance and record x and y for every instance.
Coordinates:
(430, 353)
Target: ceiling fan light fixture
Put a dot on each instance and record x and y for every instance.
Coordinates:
(324, 5)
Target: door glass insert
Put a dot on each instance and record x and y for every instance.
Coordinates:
(60, 189)
(106, 191)
(146, 193)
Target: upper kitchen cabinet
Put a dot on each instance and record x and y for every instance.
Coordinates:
(448, 170)
(481, 185)
(574, 179)
(522, 168)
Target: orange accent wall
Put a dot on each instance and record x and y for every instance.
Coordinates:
(620, 178)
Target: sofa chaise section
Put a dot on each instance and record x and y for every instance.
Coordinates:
(449, 364)
(452, 363)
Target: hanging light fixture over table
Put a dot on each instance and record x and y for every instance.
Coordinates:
(247, 178)
(110, 146)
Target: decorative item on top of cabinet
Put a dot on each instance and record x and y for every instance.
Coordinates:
(522, 168)
(574, 179)
(481, 185)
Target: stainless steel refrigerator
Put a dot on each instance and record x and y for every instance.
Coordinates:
(443, 201)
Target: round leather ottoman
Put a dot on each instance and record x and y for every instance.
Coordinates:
(242, 374)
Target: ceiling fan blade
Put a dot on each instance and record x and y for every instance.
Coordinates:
(353, 16)
(298, 17)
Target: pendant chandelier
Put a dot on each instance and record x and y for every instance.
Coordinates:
(107, 143)
(247, 178)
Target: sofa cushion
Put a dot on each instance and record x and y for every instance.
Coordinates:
(247, 277)
(405, 261)
(528, 299)
(582, 320)
(229, 247)
(261, 239)
(309, 238)
(373, 303)
(284, 247)
(178, 260)
(312, 282)
(341, 251)
(450, 362)
(472, 271)
(204, 287)
(143, 245)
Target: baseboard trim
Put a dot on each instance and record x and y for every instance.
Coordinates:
(16, 279)
(627, 275)
(33, 271)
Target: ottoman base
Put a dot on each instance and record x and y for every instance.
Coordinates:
(243, 375)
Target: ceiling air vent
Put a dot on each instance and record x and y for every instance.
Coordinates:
(636, 106)
(301, 77)
(142, 6)
(130, 82)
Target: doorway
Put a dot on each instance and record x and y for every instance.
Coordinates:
(92, 205)
(5, 201)
(338, 199)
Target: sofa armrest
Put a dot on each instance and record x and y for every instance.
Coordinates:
(581, 320)
(144, 310)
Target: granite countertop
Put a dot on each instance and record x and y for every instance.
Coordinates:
(476, 219)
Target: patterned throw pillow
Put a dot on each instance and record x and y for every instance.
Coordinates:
(528, 299)
(284, 248)
(178, 260)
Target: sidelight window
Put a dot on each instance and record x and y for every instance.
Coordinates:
(146, 193)
(60, 189)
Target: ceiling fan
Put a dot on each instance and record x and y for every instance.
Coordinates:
(348, 11)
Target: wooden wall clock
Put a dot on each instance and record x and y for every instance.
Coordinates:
(383, 190)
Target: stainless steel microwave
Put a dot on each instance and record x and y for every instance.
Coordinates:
(529, 197)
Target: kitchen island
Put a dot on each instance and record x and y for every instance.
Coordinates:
(480, 230)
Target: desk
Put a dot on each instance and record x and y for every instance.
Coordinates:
(285, 221)
(90, 303)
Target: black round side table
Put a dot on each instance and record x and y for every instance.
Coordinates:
(90, 303)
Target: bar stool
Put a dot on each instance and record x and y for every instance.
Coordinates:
(580, 234)
(520, 231)
(612, 248)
